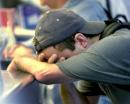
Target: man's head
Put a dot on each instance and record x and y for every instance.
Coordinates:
(53, 4)
(66, 31)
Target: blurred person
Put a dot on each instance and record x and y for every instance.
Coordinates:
(84, 48)
(20, 7)
(120, 11)
(88, 9)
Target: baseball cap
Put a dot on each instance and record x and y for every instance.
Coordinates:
(57, 25)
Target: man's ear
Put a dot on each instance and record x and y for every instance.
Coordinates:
(81, 40)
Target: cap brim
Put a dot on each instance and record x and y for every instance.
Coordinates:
(93, 27)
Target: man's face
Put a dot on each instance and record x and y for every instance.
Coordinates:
(81, 44)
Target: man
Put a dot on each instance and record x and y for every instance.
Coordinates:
(88, 9)
(105, 62)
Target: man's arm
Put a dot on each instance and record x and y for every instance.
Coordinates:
(41, 71)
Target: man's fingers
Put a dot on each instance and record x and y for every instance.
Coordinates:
(52, 59)
(61, 59)
(41, 57)
(11, 66)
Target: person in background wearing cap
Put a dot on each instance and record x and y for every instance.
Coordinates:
(87, 53)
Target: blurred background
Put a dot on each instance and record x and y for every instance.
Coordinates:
(18, 19)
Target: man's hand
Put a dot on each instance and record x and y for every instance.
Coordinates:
(17, 75)
(43, 72)
(52, 59)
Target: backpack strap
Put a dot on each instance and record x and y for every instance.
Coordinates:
(113, 26)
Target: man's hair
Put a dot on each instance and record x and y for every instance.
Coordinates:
(69, 42)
